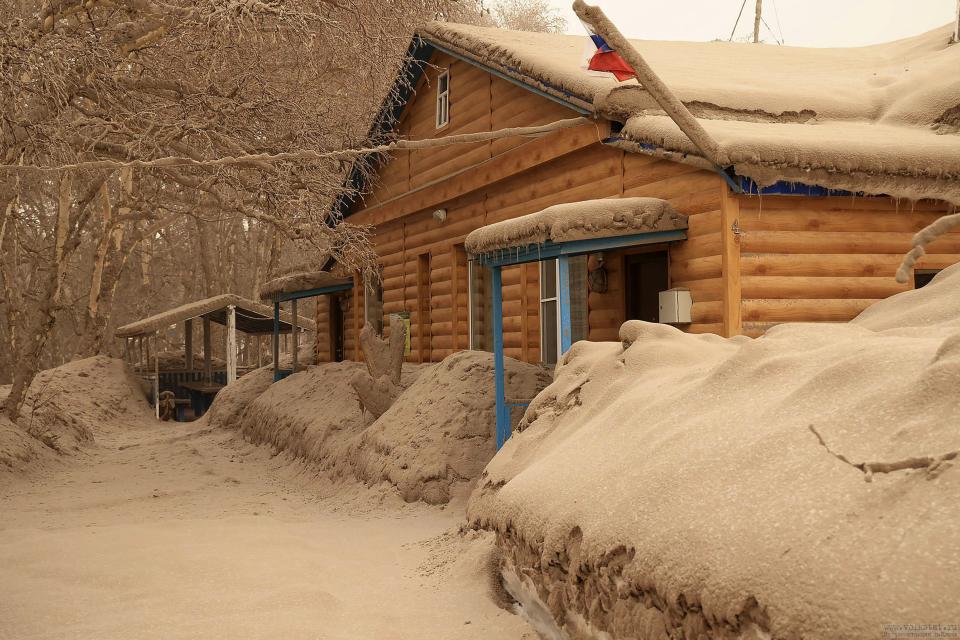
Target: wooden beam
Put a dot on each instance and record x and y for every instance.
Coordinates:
(730, 262)
(188, 344)
(294, 334)
(207, 356)
(156, 374)
(231, 344)
(484, 173)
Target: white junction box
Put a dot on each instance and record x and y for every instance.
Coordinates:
(675, 306)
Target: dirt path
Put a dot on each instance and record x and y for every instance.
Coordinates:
(177, 531)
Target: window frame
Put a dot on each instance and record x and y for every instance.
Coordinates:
(443, 100)
(556, 301)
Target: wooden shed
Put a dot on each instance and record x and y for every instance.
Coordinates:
(832, 160)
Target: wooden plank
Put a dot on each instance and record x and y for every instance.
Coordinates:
(839, 242)
(730, 262)
(809, 219)
(807, 310)
(784, 287)
(497, 168)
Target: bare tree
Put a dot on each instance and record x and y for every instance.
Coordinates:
(127, 80)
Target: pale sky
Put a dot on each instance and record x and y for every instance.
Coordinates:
(811, 23)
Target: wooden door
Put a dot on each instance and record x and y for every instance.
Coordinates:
(645, 276)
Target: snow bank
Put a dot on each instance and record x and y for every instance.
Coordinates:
(432, 443)
(66, 406)
(802, 484)
(439, 434)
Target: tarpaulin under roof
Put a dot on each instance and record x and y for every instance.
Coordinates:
(587, 219)
(252, 317)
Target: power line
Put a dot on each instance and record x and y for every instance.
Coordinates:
(779, 26)
(732, 31)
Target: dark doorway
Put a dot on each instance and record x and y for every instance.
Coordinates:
(338, 320)
(645, 276)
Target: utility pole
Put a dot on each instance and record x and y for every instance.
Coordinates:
(756, 21)
(956, 25)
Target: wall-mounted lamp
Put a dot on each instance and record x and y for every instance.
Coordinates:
(440, 215)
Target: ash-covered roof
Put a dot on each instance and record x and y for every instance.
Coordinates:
(883, 119)
(301, 281)
(252, 317)
(578, 221)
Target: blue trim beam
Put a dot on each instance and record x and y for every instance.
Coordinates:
(499, 370)
(310, 293)
(548, 250)
(564, 304)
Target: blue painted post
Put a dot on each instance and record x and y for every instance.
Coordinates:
(276, 341)
(563, 303)
(502, 412)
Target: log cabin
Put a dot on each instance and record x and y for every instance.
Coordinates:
(830, 161)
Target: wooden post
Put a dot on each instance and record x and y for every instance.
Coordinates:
(956, 25)
(730, 262)
(188, 344)
(207, 356)
(499, 370)
(147, 363)
(756, 21)
(259, 351)
(563, 304)
(231, 344)
(276, 341)
(294, 335)
(156, 374)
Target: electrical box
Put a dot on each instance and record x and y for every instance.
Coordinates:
(675, 306)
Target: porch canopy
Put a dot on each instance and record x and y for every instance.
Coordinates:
(232, 311)
(296, 286)
(561, 232)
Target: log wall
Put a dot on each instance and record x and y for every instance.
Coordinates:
(805, 259)
(748, 262)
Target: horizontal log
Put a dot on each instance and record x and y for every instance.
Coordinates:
(809, 310)
(803, 219)
(783, 287)
(699, 224)
(699, 247)
(836, 203)
(839, 242)
(707, 312)
(820, 265)
(700, 327)
(696, 268)
(497, 168)
(707, 290)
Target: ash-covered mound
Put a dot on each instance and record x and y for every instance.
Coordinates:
(434, 440)
(800, 485)
(232, 401)
(312, 414)
(66, 406)
(439, 434)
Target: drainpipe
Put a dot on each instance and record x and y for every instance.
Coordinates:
(667, 100)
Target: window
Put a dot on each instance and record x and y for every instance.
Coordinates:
(549, 306)
(549, 314)
(443, 99)
(922, 277)
(373, 303)
(480, 307)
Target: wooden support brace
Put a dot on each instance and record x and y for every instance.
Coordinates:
(188, 344)
(499, 370)
(207, 355)
(294, 333)
(231, 344)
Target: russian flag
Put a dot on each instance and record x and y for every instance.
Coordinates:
(601, 59)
